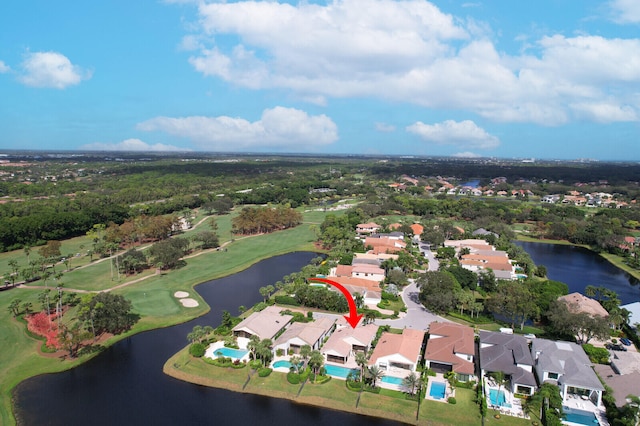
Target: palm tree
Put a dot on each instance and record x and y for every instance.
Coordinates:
(27, 252)
(295, 363)
(410, 382)
(13, 264)
(361, 360)
(264, 351)
(254, 342)
(305, 353)
(375, 373)
(316, 360)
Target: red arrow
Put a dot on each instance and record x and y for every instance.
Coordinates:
(353, 318)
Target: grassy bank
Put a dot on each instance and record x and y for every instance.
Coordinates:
(152, 298)
(333, 395)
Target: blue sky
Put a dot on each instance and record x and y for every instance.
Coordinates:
(500, 78)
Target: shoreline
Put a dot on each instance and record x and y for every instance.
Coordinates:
(611, 258)
(174, 366)
(147, 323)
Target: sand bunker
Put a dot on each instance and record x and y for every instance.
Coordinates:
(189, 302)
(180, 294)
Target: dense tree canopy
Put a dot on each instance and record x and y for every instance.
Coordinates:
(438, 290)
(107, 313)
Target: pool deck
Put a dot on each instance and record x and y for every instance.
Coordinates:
(576, 403)
(515, 410)
(448, 392)
(210, 351)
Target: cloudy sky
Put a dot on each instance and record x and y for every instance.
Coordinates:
(489, 78)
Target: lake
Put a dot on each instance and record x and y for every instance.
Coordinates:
(579, 267)
(125, 385)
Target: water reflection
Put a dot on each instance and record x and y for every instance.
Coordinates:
(125, 384)
(579, 267)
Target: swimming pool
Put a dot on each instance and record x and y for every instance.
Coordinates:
(497, 398)
(437, 390)
(341, 372)
(392, 380)
(230, 353)
(283, 364)
(580, 417)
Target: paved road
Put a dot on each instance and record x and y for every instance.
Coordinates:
(417, 315)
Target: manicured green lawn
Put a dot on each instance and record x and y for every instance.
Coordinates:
(152, 298)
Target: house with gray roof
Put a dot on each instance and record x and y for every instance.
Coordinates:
(508, 353)
(566, 365)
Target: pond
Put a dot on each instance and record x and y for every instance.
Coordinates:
(125, 384)
(579, 267)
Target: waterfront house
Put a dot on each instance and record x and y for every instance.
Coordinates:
(345, 341)
(578, 303)
(398, 354)
(566, 365)
(451, 347)
(265, 324)
(299, 334)
(509, 354)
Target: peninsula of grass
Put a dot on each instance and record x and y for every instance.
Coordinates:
(334, 395)
(152, 298)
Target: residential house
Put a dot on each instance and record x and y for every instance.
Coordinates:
(368, 272)
(370, 290)
(508, 353)
(346, 341)
(451, 347)
(576, 302)
(622, 375)
(634, 318)
(417, 229)
(566, 365)
(300, 334)
(384, 245)
(481, 232)
(398, 354)
(367, 228)
(265, 324)
(550, 199)
(372, 259)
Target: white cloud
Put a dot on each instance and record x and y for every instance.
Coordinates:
(625, 11)
(410, 51)
(603, 112)
(131, 145)
(4, 68)
(464, 134)
(278, 127)
(51, 69)
(385, 128)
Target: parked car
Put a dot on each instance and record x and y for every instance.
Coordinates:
(615, 347)
(625, 341)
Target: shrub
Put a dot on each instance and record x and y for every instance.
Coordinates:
(293, 378)
(255, 364)
(452, 400)
(279, 352)
(596, 355)
(197, 350)
(286, 300)
(264, 372)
